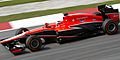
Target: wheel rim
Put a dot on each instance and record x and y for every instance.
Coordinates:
(111, 27)
(34, 43)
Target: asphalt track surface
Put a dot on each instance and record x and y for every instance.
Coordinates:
(103, 47)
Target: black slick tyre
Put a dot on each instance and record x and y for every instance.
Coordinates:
(110, 27)
(21, 30)
(34, 43)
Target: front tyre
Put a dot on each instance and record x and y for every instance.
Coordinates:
(110, 27)
(34, 43)
(21, 30)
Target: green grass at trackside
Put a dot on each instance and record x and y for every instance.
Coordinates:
(52, 11)
(14, 2)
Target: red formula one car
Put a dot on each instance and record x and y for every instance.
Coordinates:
(73, 26)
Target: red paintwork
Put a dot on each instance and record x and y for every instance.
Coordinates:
(16, 50)
(113, 16)
(69, 20)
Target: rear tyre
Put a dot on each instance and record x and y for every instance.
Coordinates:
(110, 27)
(34, 43)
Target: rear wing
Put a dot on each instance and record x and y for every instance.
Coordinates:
(107, 9)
